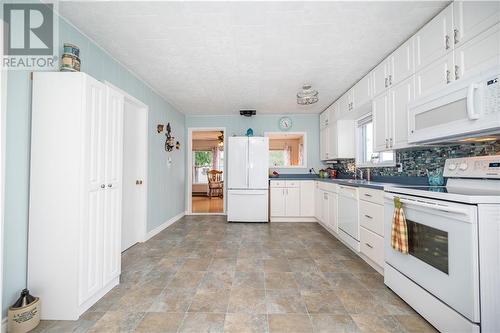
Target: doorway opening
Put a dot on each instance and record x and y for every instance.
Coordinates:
(207, 171)
(135, 157)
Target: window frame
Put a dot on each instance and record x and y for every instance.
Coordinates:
(360, 145)
(304, 150)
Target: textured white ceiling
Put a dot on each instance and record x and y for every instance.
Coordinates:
(219, 57)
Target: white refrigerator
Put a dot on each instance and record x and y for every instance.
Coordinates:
(248, 179)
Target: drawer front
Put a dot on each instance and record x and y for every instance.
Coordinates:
(277, 183)
(329, 187)
(292, 183)
(369, 194)
(371, 217)
(372, 245)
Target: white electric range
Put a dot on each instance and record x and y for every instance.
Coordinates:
(451, 275)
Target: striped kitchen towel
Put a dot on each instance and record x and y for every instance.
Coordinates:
(399, 235)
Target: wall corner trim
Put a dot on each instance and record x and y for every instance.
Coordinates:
(4, 326)
(163, 226)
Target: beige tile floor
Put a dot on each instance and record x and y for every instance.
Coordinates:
(205, 275)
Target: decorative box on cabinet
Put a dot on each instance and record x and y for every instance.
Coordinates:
(75, 192)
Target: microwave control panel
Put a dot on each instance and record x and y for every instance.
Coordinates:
(491, 97)
(473, 167)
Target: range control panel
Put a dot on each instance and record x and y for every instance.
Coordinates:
(473, 167)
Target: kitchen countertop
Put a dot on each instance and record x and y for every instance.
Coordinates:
(379, 184)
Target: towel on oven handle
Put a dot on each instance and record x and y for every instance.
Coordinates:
(399, 234)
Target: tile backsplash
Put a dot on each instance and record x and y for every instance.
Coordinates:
(416, 161)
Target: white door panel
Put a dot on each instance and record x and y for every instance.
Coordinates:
(247, 206)
(307, 198)
(112, 234)
(380, 111)
(277, 201)
(435, 39)
(401, 94)
(402, 65)
(435, 76)
(292, 201)
(258, 163)
(471, 18)
(237, 154)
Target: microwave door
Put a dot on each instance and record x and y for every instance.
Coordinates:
(462, 110)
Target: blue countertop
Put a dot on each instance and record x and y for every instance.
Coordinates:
(378, 182)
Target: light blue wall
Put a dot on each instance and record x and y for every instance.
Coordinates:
(165, 186)
(237, 125)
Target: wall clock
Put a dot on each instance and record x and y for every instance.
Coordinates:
(285, 123)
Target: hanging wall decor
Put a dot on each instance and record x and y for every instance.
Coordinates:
(170, 142)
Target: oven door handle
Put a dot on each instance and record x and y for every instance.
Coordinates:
(435, 207)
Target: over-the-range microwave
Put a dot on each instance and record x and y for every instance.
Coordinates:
(462, 110)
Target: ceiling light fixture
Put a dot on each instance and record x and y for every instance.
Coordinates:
(307, 95)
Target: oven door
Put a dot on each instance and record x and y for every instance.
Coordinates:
(443, 246)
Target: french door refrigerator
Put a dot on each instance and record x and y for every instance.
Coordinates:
(248, 179)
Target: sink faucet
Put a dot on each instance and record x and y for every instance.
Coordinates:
(360, 174)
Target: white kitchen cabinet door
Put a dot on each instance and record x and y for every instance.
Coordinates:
(91, 248)
(342, 139)
(325, 208)
(258, 163)
(380, 112)
(361, 92)
(237, 153)
(332, 212)
(478, 54)
(344, 101)
(471, 18)
(324, 119)
(435, 76)
(112, 234)
(400, 96)
(435, 39)
(307, 198)
(114, 138)
(278, 201)
(324, 144)
(402, 63)
(379, 78)
(292, 201)
(317, 202)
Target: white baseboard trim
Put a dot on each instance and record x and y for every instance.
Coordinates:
(293, 219)
(163, 226)
(4, 326)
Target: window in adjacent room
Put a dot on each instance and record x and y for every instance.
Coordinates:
(287, 149)
(365, 156)
(203, 161)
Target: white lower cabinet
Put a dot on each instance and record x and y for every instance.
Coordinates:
(74, 255)
(372, 246)
(292, 199)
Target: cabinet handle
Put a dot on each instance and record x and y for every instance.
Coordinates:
(110, 185)
(368, 216)
(390, 79)
(386, 143)
(447, 42)
(103, 186)
(457, 72)
(368, 195)
(369, 245)
(386, 82)
(447, 76)
(455, 35)
(390, 142)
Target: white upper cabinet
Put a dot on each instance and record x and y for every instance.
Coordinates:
(379, 78)
(361, 92)
(381, 114)
(470, 18)
(344, 103)
(324, 143)
(399, 97)
(324, 118)
(435, 39)
(435, 76)
(401, 65)
(478, 54)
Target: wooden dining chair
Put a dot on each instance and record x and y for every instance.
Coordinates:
(215, 183)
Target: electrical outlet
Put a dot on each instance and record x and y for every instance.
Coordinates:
(400, 167)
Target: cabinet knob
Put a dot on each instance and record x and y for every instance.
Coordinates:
(110, 185)
(385, 82)
(390, 79)
(369, 245)
(103, 186)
